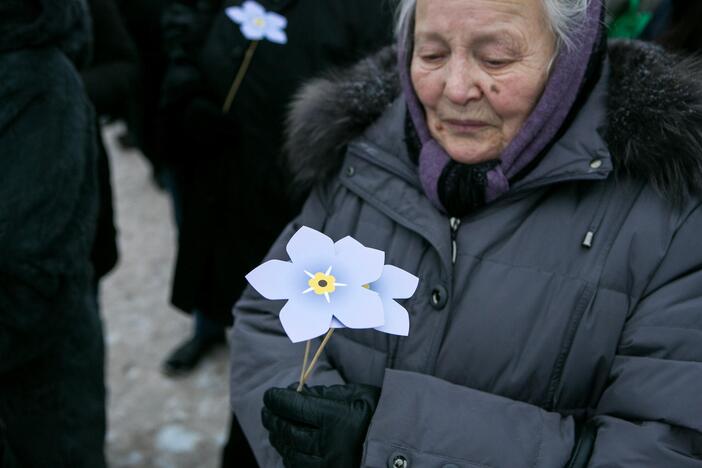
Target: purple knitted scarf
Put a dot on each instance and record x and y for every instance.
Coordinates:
(538, 130)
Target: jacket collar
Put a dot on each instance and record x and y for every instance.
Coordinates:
(581, 153)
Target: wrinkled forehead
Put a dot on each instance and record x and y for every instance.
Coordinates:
(487, 20)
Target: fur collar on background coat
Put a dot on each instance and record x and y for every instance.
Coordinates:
(654, 128)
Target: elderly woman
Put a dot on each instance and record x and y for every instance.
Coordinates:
(545, 190)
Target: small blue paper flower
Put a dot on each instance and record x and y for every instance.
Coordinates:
(257, 23)
(395, 283)
(323, 281)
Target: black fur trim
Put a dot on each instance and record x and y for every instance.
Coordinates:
(329, 112)
(654, 128)
(655, 117)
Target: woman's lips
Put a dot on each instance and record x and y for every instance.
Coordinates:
(464, 126)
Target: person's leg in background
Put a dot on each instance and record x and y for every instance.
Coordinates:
(207, 335)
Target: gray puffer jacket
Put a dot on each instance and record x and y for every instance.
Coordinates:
(560, 325)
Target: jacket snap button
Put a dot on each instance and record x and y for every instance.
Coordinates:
(596, 163)
(400, 462)
(439, 297)
(350, 171)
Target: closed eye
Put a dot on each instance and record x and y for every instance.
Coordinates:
(496, 64)
(432, 58)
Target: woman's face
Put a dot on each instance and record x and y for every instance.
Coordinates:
(478, 68)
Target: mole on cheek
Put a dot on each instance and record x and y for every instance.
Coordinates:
(495, 89)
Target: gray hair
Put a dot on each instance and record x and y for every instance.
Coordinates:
(563, 17)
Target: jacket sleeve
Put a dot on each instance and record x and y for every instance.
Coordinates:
(650, 414)
(262, 356)
(431, 422)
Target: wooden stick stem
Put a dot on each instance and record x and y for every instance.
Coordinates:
(236, 84)
(304, 361)
(316, 357)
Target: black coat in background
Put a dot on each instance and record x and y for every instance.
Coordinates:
(111, 82)
(234, 189)
(52, 395)
(676, 25)
(142, 18)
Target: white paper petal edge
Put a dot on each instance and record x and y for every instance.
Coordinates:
(303, 323)
(276, 280)
(396, 283)
(396, 319)
(362, 265)
(311, 249)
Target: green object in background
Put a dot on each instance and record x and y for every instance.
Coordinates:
(631, 23)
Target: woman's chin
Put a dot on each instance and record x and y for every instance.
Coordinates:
(473, 155)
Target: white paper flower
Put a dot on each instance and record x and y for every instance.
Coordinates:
(257, 23)
(323, 281)
(395, 283)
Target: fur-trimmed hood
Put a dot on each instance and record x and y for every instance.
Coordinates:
(37, 23)
(653, 128)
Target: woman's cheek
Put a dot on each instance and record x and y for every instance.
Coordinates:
(427, 85)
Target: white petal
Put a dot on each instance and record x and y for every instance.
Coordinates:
(252, 9)
(277, 279)
(355, 264)
(396, 318)
(358, 307)
(336, 324)
(276, 21)
(302, 323)
(236, 14)
(276, 35)
(311, 250)
(395, 283)
(251, 32)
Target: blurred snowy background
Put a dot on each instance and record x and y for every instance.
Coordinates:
(154, 421)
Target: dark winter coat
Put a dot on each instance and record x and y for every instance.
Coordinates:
(111, 78)
(234, 191)
(560, 323)
(111, 82)
(142, 19)
(52, 394)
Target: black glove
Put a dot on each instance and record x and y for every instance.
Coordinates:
(321, 426)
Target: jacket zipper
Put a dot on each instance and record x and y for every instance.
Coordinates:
(455, 224)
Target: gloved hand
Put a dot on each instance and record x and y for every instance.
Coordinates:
(321, 426)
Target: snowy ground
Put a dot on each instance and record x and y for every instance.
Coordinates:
(154, 421)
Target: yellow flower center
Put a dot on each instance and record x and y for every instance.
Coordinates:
(260, 22)
(321, 283)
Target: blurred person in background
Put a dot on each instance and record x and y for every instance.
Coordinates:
(111, 81)
(52, 394)
(629, 18)
(225, 97)
(226, 142)
(677, 26)
(546, 189)
(142, 19)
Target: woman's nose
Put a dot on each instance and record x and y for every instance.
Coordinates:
(462, 85)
